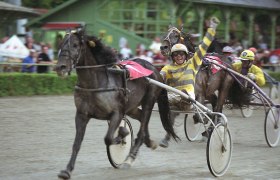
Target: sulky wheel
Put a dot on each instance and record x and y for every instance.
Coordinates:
(192, 129)
(219, 150)
(247, 111)
(117, 153)
(271, 127)
(273, 93)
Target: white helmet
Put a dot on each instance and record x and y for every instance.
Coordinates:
(228, 49)
(179, 47)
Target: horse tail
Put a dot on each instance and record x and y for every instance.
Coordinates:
(164, 112)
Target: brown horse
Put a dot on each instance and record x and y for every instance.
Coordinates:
(103, 94)
(206, 82)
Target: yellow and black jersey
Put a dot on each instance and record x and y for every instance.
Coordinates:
(182, 77)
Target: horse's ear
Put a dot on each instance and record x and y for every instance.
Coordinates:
(182, 27)
(169, 26)
(91, 43)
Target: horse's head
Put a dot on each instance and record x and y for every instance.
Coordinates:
(70, 52)
(173, 37)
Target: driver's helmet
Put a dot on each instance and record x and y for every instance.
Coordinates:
(179, 47)
(228, 49)
(247, 55)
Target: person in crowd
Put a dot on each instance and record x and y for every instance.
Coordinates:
(181, 73)
(140, 49)
(50, 51)
(144, 55)
(247, 68)
(155, 46)
(257, 61)
(29, 61)
(43, 58)
(126, 52)
(228, 57)
(29, 42)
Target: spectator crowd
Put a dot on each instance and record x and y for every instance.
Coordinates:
(40, 58)
(41, 55)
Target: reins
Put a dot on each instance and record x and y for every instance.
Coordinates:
(95, 66)
(75, 61)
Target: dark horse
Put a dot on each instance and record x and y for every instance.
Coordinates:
(104, 94)
(206, 82)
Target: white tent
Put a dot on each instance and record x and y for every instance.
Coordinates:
(14, 47)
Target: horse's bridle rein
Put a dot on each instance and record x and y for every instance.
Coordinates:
(68, 53)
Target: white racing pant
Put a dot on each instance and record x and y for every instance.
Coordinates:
(180, 103)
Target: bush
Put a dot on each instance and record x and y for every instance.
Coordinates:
(23, 84)
(275, 75)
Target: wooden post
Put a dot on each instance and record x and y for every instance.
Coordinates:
(227, 13)
(201, 12)
(273, 32)
(251, 26)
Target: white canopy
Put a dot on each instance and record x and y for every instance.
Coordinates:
(14, 47)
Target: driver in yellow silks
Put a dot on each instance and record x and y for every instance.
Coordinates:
(247, 68)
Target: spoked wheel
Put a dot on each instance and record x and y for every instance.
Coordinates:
(192, 129)
(117, 153)
(272, 127)
(247, 111)
(219, 150)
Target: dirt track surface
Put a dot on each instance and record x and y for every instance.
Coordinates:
(37, 135)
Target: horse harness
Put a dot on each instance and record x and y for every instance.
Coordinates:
(75, 61)
(110, 68)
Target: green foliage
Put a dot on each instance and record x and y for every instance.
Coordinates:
(20, 84)
(275, 75)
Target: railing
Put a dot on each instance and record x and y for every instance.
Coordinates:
(11, 65)
(16, 67)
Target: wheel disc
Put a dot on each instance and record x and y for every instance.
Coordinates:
(192, 129)
(218, 159)
(247, 111)
(271, 127)
(117, 153)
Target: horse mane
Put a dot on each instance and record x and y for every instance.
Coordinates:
(102, 53)
(216, 46)
(187, 41)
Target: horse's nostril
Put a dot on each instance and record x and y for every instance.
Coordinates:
(163, 47)
(60, 68)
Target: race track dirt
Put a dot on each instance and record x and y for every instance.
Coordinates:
(37, 135)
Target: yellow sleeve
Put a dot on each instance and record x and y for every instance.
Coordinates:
(260, 79)
(202, 48)
(164, 73)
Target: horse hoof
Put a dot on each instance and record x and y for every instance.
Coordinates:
(154, 145)
(125, 166)
(151, 144)
(64, 174)
(163, 143)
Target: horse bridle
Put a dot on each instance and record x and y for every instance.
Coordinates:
(74, 60)
(170, 30)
